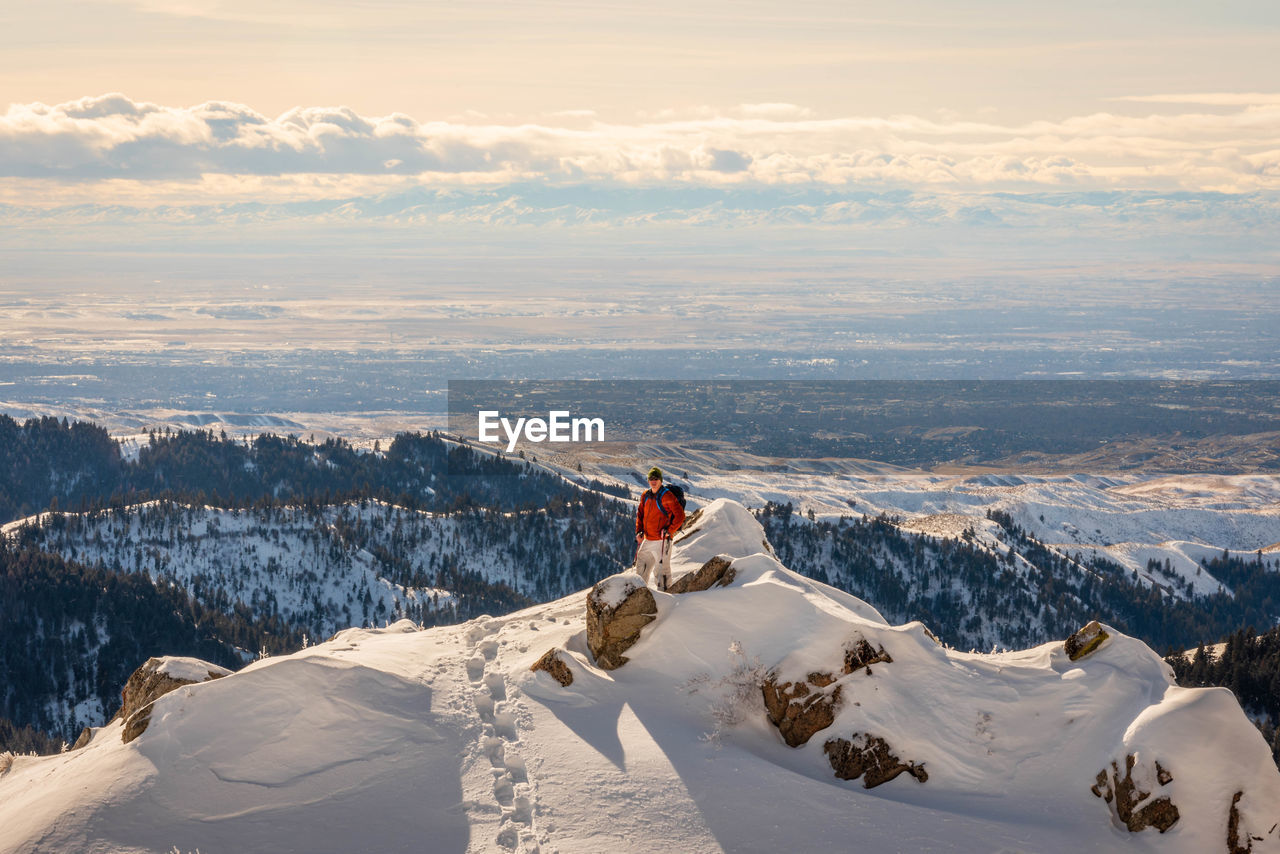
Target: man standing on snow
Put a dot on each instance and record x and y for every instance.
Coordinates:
(657, 519)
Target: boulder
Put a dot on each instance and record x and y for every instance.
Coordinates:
(154, 679)
(617, 609)
(860, 654)
(1085, 641)
(869, 757)
(800, 709)
(717, 572)
(552, 663)
(86, 736)
(1131, 805)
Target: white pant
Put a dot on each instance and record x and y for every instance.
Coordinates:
(653, 555)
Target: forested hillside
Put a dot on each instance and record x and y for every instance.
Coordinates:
(71, 634)
(976, 594)
(323, 568)
(1248, 663)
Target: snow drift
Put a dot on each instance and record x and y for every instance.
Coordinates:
(445, 740)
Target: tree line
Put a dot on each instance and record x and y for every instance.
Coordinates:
(47, 463)
(1248, 664)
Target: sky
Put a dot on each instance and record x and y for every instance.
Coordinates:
(1110, 169)
(147, 102)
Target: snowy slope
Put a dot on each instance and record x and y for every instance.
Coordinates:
(314, 566)
(280, 560)
(443, 740)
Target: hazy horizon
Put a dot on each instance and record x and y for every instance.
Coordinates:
(208, 202)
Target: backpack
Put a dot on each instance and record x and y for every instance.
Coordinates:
(674, 489)
(677, 491)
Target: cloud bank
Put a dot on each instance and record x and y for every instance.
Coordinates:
(1234, 148)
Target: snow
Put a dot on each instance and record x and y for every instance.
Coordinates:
(189, 669)
(1129, 518)
(721, 527)
(613, 591)
(283, 560)
(444, 740)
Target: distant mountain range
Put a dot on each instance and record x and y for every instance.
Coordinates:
(1142, 213)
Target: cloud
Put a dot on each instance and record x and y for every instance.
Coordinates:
(573, 114)
(286, 13)
(112, 138)
(774, 111)
(1222, 99)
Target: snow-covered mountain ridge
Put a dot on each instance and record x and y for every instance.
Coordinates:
(406, 740)
(320, 567)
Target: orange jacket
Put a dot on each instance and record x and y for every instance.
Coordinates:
(651, 519)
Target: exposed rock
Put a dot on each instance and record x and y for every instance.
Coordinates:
(690, 525)
(617, 609)
(552, 663)
(861, 654)
(1085, 641)
(869, 757)
(1236, 845)
(800, 709)
(86, 736)
(716, 572)
(154, 679)
(820, 680)
(1124, 796)
(6, 762)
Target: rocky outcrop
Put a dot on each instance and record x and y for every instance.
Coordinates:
(869, 757)
(800, 709)
(1085, 641)
(1233, 829)
(1239, 841)
(617, 609)
(86, 736)
(1131, 805)
(154, 679)
(860, 654)
(717, 572)
(552, 663)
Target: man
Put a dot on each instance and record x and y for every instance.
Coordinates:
(657, 519)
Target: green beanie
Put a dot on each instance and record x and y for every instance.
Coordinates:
(655, 473)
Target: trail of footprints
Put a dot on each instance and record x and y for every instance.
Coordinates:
(500, 741)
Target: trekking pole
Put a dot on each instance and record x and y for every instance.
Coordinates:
(664, 568)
